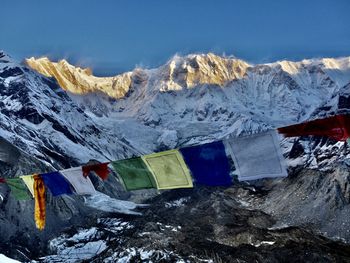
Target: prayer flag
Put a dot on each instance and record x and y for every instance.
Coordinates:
(18, 188)
(82, 185)
(56, 183)
(336, 127)
(29, 181)
(169, 170)
(2, 180)
(40, 199)
(134, 174)
(208, 164)
(257, 156)
(100, 169)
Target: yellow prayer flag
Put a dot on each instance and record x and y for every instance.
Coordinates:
(169, 170)
(29, 181)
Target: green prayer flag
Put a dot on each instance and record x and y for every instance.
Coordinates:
(169, 170)
(348, 140)
(134, 174)
(18, 188)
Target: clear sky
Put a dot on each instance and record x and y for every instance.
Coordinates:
(113, 36)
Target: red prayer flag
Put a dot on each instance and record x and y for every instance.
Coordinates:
(100, 169)
(336, 127)
(2, 180)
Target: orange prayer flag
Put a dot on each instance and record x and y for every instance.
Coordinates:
(40, 199)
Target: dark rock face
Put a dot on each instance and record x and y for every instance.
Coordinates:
(9, 154)
(200, 224)
(10, 72)
(317, 200)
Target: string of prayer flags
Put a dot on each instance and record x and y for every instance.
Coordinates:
(40, 202)
(336, 127)
(257, 156)
(208, 164)
(29, 181)
(134, 173)
(18, 188)
(100, 169)
(169, 170)
(82, 185)
(56, 183)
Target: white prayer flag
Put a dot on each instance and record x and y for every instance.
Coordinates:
(257, 156)
(82, 185)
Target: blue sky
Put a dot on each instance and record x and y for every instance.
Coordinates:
(113, 36)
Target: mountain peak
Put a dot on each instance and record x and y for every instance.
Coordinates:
(80, 80)
(200, 69)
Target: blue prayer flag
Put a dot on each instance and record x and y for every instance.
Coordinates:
(208, 164)
(56, 183)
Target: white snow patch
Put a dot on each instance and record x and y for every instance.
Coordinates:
(84, 235)
(264, 243)
(78, 252)
(171, 228)
(177, 203)
(243, 203)
(105, 203)
(114, 225)
(4, 259)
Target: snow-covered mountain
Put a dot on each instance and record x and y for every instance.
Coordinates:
(204, 97)
(59, 115)
(188, 100)
(39, 118)
(282, 91)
